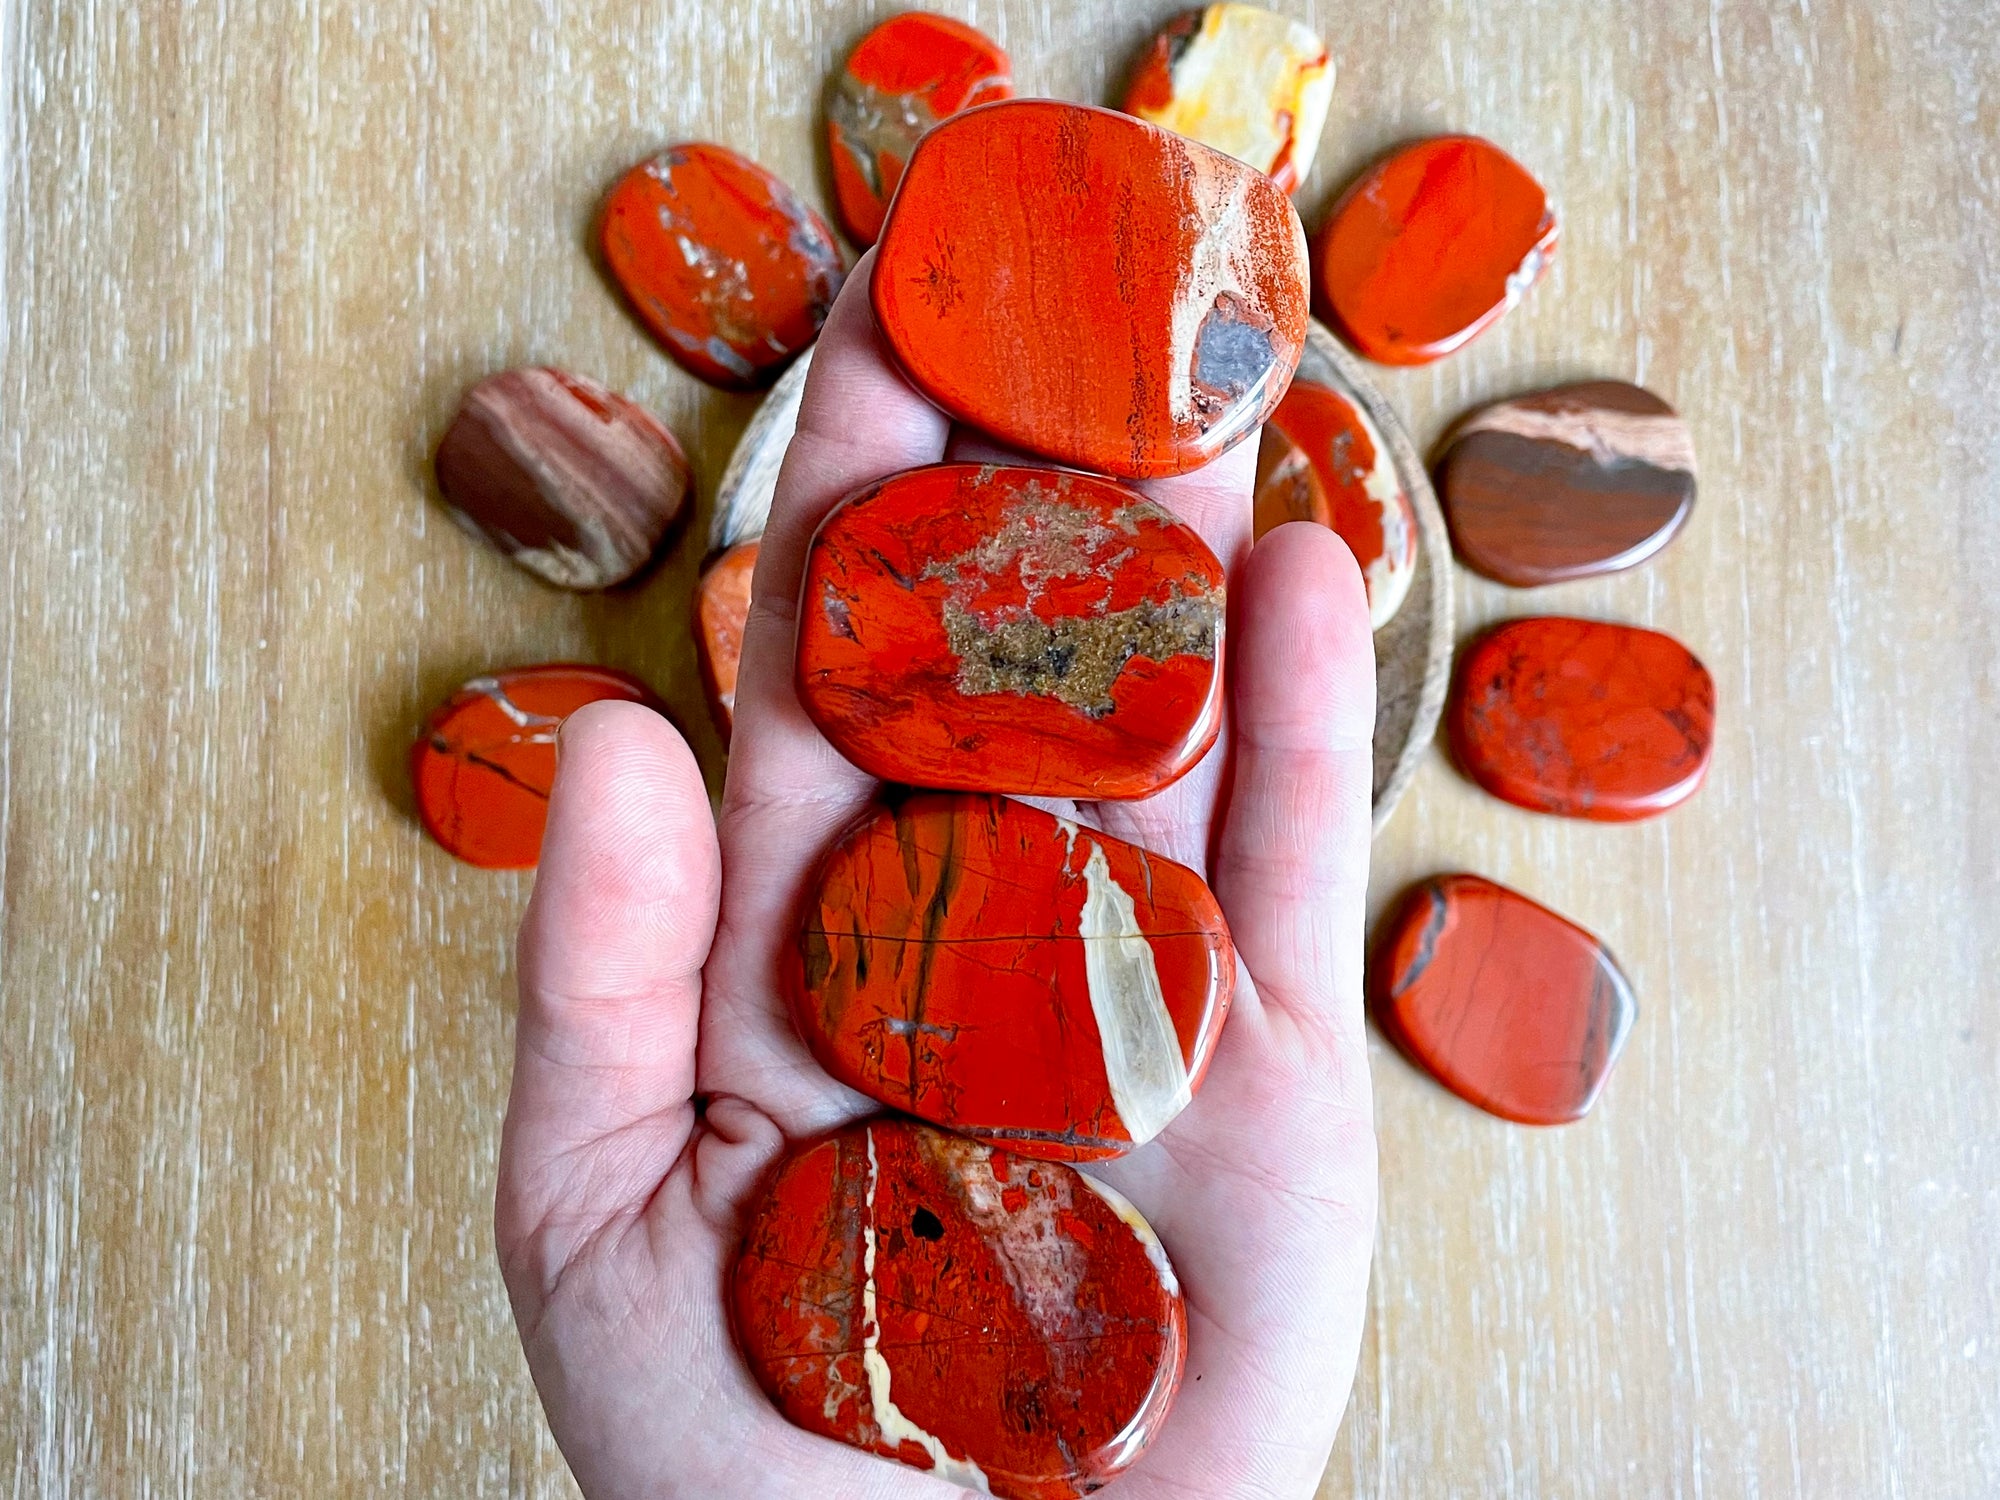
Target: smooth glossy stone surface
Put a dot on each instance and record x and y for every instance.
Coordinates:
(1568, 483)
(1243, 80)
(721, 606)
(1507, 1004)
(1086, 286)
(1012, 630)
(727, 266)
(486, 759)
(575, 483)
(1352, 487)
(989, 967)
(1431, 245)
(1583, 718)
(1009, 1325)
(905, 76)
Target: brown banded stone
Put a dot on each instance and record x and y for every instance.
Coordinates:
(1567, 483)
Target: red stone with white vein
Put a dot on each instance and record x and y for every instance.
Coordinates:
(989, 967)
(1012, 630)
(1011, 1326)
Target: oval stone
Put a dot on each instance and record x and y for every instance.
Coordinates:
(989, 967)
(1011, 1326)
(1012, 630)
(721, 607)
(1242, 79)
(1567, 483)
(1354, 488)
(1505, 1003)
(575, 483)
(905, 76)
(728, 267)
(1083, 285)
(485, 762)
(1584, 718)
(1430, 246)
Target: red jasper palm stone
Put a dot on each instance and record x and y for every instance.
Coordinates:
(986, 966)
(1585, 719)
(1008, 1325)
(1091, 288)
(486, 760)
(728, 267)
(1012, 629)
(1508, 1005)
(721, 609)
(905, 76)
(1430, 246)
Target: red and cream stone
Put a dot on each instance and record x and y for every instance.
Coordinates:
(1004, 972)
(1018, 630)
(1242, 79)
(1011, 1326)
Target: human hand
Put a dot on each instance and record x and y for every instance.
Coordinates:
(658, 1077)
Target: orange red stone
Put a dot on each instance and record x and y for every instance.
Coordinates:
(986, 966)
(905, 76)
(1583, 718)
(1010, 1326)
(1324, 460)
(1088, 287)
(729, 268)
(1016, 630)
(721, 606)
(1508, 1005)
(1430, 246)
(1243, 80)
(486, 759)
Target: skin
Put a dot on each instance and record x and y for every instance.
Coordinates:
(658, 1077)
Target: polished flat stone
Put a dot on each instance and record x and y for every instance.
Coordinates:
(1506, 1004)
(1583, 718)
(1007, 1325)
(486, 760)
(721, 607)
(1350, 484)
(1090, 288)
(903, 77)
(729, 268)
(1567, 483)
(574, 482)
(1242, 79)
(989, 967)
(1019, 630)
(1429, 247)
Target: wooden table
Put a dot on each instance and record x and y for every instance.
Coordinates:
(255, 1031)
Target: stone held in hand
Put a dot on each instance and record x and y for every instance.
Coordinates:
(1567, 483)
(1085, 286)
(1006, 973)
(721, 607)
(1350, 485)
(902, 78)
(486, 760)
(1022, 630)
(731, 270)
(1242, 79)
(1008, 1325)
(1430, 246)
(574, 482)
(1583, 718)
(1508, 1005)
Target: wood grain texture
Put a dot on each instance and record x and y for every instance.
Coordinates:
(254, 1032)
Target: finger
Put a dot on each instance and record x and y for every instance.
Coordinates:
(1291, 864)
(789, 791)
(610, 958)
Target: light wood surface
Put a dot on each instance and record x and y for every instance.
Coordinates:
(255, 1033)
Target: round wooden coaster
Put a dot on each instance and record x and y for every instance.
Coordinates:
(1412, 652)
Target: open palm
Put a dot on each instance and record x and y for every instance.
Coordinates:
(658, 1077)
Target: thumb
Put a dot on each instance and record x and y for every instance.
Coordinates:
(610, 959)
